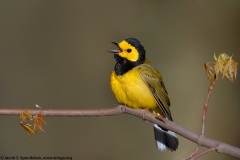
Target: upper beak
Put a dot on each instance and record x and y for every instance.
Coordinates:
(115, 50)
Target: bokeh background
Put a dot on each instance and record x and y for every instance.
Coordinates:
(54, 53)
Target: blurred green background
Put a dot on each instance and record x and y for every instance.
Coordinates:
(54, 53)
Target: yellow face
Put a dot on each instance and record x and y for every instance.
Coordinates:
(128, 51)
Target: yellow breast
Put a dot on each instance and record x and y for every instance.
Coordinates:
(130, 90)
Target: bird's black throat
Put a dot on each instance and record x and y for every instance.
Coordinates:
(124, 65)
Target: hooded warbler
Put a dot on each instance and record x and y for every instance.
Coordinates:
(137, 84)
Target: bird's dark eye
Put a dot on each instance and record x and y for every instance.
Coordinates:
(129, 50)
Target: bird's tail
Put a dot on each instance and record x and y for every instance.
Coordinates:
(165, 140)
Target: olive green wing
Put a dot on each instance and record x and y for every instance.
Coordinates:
(154, 81)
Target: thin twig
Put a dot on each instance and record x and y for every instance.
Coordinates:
(193, 153)
(203, 152)
(120, 109)
(206, 106)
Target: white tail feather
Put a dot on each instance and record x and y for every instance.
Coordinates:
(165, 140)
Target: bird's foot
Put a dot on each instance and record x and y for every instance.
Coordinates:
(160, 118)
(143, 112)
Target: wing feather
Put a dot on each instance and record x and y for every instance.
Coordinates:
(153, 80)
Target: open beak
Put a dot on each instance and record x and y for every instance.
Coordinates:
(116, 50)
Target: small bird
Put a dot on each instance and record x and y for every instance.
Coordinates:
(137, 84)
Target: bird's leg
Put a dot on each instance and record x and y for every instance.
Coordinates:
(143, 111)
(160, 118)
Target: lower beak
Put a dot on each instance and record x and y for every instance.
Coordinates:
(116, 50)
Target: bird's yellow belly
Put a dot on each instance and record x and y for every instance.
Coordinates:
(130, 90)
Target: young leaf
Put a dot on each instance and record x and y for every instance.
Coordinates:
(209, 70)
(223, 64)
(227, 66)
(28, 128)
(26, 114)
(38, 120)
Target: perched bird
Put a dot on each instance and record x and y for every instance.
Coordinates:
(136, 84)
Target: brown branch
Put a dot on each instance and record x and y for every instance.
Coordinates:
(206, 106)
(66, 112)
(203, 152)
(193, 153)
(120, 109)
